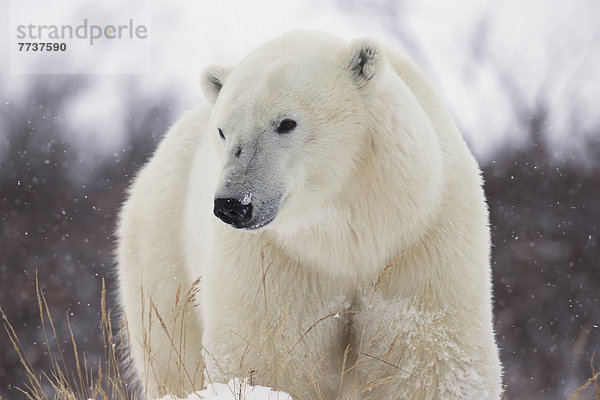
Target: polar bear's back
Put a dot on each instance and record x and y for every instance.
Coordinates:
(431, 103)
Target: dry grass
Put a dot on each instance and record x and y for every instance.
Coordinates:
(109, 380)
(591, 382)
(105, 382)
(177, 350)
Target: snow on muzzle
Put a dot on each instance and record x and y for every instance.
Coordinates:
(246, 211)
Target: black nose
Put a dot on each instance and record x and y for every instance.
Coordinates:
(233, 212)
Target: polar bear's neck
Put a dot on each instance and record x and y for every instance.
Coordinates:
(367, 224)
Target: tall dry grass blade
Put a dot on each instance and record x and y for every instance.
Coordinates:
(34, 384)
(60, 370)
(596, 384)
(145, 340)
(221, 370)
(82, 386)
(383, 276)
(79, 383)
(53, 363)
(574, 395)
(314, 380)
(166, 331)
(264, 278)
(592, 380)
(291, 349)
(386, 363)
(343, 371)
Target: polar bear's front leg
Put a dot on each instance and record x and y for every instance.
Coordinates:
(164, 329)
(286, 331)
(411, 350)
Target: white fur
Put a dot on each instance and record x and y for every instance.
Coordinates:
(375, 174)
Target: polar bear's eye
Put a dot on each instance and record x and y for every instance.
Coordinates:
(286, 126)
(221, 134)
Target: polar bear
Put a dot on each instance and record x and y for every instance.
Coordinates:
(319, 226)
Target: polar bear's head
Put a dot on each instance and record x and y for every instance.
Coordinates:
(290, 123)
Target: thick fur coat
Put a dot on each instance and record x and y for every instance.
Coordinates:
(335, 224)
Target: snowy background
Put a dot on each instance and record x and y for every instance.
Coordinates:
(521, 78)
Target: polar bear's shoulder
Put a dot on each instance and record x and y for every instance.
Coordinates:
(159, 187)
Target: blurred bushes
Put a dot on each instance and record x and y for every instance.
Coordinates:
(58, 210)
(57, 216)
(545, 220)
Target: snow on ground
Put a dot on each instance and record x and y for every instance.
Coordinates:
(234, 390)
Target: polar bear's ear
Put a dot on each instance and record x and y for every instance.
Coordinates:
(364, 59)
(212, 80)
